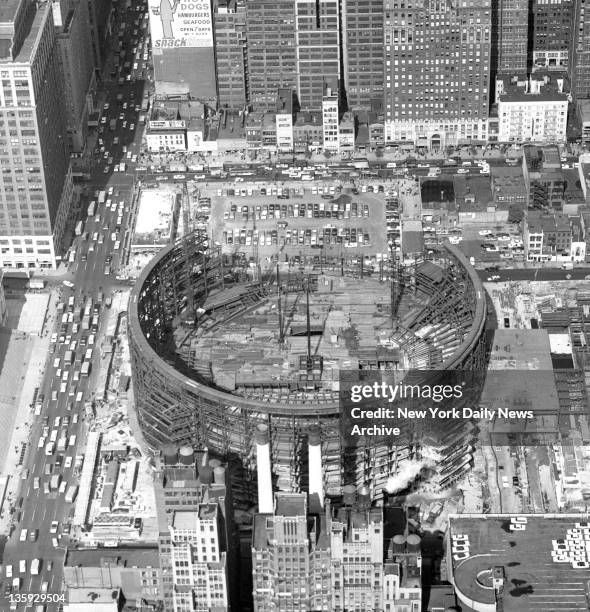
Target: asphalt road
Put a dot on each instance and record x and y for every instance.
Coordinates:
(89, 277)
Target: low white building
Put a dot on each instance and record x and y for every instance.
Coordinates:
(435, 134)
(533, 109)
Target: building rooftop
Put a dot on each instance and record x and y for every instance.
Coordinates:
(308, 118)
(290, 504)
(93, 600)
(539, 222)
(154, 220)
(144, 556)
(472, 193)
(537, 88)
(532, 581)
(185, 519)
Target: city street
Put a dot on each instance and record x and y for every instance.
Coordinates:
(36, 509)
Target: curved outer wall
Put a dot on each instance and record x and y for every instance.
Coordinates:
(175, 408)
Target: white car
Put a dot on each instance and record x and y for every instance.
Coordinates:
(54, 527)
(68, 284)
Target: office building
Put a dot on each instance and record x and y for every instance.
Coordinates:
(198, 561)
(183, 50)
(35, 183)
(532, 109)
(437, 72)
(290, 557)
(356, 560)
(230, 53)
(552, 29)
(513, 34)
(196, 533)
(318, 49)
(580, 51)
(77, 66)
(272, 60)
(99, 13)
(362, 53)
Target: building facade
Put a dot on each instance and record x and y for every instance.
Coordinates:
(362, 53)
(513, 35)
(437, 58)
(36, 187)
(230, 53)
(77, 66)
(531, 110)
(195, 532)
(552, 26)
(579, 64)
(198, 561)
(271, 56)
(317, 25)
(290, 558)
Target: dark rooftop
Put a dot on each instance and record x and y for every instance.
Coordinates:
(122, 557)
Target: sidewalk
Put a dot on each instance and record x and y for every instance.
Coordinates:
(32, 378)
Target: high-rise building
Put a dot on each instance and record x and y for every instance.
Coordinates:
(76, 60)
(318, 49)
(35, 180)
(99, 12)
(580, 51)
(272, 60)
(230, 53)
(552, 30)
(290, 557)
(182, 49)
(356, 545)
(198, 560)
(513, 35)
(362, 53)
(196, 544)
(437, 57)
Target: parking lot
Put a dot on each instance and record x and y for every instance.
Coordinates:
(291, 220)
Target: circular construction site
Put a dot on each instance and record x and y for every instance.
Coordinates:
(215, 354)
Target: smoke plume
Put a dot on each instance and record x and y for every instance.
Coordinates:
(406, 474)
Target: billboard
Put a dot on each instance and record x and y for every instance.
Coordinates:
(180, 23)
